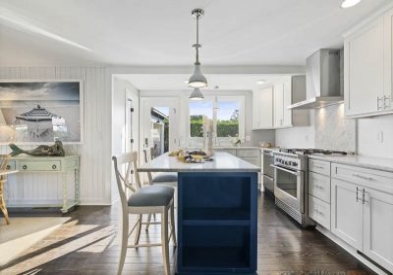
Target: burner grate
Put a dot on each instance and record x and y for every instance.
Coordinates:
(311, 151)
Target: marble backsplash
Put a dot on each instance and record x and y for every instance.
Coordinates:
(333, 131)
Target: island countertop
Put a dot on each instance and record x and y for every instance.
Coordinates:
(222, 162)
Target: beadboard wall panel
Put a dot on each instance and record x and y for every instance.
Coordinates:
(95, 151)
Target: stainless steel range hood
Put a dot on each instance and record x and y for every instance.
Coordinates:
(323, 80)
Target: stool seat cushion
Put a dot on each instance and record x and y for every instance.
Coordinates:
(151, 195)
(165, 177)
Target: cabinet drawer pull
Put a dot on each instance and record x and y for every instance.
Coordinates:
(318, 186)
(318, 212)
(24, 167)
(357, 191)
(54, 166)
(317, 166)
(362, 177)
(379, 100)
(386, 98)
(364, 196)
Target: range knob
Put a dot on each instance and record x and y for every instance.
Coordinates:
(294, 163)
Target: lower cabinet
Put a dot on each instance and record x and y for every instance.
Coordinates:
(319, 192)
(347, 213)
(362, 211)
(217, 223)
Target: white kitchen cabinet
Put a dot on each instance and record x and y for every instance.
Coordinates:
(368, 69)
(270, 104)
(256, 110)
(263, 108)
(362, 211)
(346, 220)
(266, 108)
(287, 91)
(278, 103)
(319, 192)
(378, 227)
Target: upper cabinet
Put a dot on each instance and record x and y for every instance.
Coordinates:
(263, 109)
(368, 69)
(279, 110)
(270, 105)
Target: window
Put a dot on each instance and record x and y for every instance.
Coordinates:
(227, 113)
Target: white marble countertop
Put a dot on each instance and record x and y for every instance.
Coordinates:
(383, 164)
(222, 162)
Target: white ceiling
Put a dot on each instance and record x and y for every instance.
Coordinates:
(161, 33)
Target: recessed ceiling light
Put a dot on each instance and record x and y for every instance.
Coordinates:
(349, 3)
(260, 82)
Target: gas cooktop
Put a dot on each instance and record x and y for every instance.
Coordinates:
(311, 151)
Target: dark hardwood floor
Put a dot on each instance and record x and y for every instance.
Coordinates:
(88, 244)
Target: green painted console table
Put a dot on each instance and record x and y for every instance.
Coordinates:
(64, 165)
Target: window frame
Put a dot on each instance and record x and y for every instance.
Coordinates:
(220, 140)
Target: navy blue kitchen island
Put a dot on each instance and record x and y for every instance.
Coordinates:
(217, 214)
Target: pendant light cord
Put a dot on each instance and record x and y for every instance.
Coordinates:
(197, 45)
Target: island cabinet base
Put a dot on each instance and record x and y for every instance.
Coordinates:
(217, 223)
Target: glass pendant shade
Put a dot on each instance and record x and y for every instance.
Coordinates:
(196, 94)
(197, 80)
(349, 3)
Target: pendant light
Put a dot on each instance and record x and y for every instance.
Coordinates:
(197, 80)
(349, 3)
(196, 94)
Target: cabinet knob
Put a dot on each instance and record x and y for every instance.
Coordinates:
(379, 105)
(8, 167)
(24, 167)
(386, 102)
(54, 166)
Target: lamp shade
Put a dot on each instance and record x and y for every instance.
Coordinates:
(197, 80)
(196, 94)
(349, 3)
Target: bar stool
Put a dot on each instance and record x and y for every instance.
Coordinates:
(149, 199)
(3, 179)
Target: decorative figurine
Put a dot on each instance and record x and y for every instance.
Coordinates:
(55, 150)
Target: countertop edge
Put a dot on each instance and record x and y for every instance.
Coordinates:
(382, 164)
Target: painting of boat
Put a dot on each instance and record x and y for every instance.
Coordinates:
(41, 112)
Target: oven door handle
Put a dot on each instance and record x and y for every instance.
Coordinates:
(286, 170)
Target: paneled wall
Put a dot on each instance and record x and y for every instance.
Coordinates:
(95, 152)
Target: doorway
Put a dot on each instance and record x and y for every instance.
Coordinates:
(160, 129)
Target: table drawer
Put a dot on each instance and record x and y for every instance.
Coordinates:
(319, 211)
(11, 165)
(319, 186)
(54, 165)
(319, 166)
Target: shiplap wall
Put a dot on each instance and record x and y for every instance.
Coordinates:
(95, 152)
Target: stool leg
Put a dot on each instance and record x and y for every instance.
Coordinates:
(148, 222)
(123, 242)
(138, 229)
(173, 225)
(164, 240)
(3, 206)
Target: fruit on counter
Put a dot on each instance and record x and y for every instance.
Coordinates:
(197, 153)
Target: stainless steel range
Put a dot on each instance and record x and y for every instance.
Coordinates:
(291, 184)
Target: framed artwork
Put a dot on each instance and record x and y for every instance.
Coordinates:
(33, 112)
